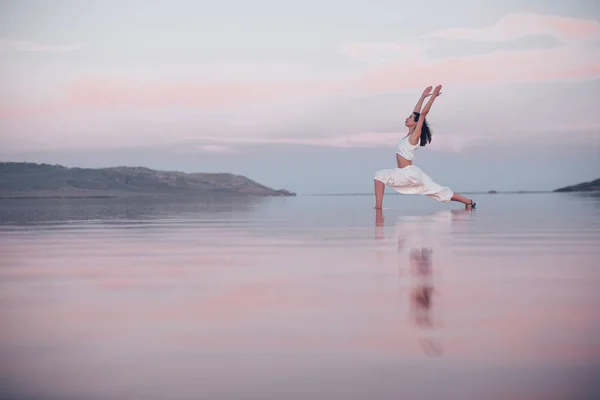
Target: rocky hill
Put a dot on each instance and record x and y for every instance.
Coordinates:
(21, 180)
(582, 187)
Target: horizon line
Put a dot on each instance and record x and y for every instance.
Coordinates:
(465, 192)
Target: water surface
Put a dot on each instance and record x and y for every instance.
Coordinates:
(312, 297)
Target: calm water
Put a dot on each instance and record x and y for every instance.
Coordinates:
(301, 298)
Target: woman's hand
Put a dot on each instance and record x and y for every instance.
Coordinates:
(436, 92)
(426, 93)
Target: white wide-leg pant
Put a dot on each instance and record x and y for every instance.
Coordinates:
(412, 180)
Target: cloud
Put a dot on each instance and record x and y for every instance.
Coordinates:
(447, 48)
(496, 68)
(7, 45)
(341, 141)
(390, 67)
(97, 111)
(516, 25)
(376, 52)
(449, 138)
(360, 140)
(102, 93)
(511, 27)
(577, 58)
(373, 122)
(215, 149)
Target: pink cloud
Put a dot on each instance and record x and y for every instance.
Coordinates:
(515, 25)
(104, 93)
(575, 60)
(98, 93)
(499, 67)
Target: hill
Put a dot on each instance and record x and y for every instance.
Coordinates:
(582, 187)
(30, 180)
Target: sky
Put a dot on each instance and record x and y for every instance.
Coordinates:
(307, 96)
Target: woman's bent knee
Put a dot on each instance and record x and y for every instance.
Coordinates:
(381, 175)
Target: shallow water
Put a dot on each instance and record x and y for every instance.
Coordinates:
(313, 297)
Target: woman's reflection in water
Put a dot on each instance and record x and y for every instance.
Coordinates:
(421, 297)
(419, 236)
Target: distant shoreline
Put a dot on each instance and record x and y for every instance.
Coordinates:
(591, 186)
(128, 196)
(57, 197)
(24, 180)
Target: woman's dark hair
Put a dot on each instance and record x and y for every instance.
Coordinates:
(425, 131)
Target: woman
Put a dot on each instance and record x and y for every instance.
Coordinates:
(408, 178)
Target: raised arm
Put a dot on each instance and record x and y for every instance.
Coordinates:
(416, 133)
(426, 93)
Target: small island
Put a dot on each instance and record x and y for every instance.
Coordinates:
(582, 187)
(20, 180)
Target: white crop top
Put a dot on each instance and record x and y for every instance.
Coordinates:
(405, 149)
